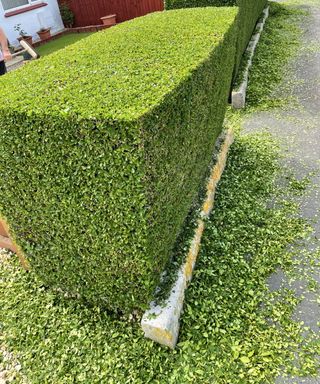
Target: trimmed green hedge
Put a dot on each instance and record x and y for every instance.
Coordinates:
(249, 12)
(103, 146)
(178, 4)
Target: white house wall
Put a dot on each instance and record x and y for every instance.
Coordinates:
(32, 21)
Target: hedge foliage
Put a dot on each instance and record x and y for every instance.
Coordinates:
(249, 12)
(178, 4)
(103, 146)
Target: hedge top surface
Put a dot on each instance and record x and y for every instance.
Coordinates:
(175, 4)
(120, 73)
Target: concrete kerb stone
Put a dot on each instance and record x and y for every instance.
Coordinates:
(238, 97)
(161, 323)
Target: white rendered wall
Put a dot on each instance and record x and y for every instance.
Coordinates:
(32, 21)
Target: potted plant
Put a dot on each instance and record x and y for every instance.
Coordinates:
(44, 33)
(109, 20)
(67, 15)
(23, 34)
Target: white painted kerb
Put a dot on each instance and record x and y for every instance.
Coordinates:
(239, 94)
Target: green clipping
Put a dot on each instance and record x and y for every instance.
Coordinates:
(103, 147)
(249, 12)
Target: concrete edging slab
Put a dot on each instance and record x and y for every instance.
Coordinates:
(238, 96)
(15, 63)
(161, 323)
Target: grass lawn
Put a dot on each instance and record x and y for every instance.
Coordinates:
(60, 43)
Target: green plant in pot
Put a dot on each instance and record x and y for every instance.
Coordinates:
(23, 35)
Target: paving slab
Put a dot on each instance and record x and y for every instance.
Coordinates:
(299, 132)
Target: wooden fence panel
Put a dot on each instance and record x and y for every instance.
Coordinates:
(89, 12)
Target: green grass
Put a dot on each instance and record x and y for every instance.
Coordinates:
(60, 43)
(227, 334)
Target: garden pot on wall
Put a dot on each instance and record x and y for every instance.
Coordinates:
(28, 39)
(44, 34)
(109, 20)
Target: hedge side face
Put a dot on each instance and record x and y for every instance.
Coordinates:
(249, 12)
(103, 146)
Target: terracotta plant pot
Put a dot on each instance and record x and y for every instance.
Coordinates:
(109, 20)
(44, 34)
(28, 39)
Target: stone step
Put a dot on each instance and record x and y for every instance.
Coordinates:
(14, 63)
